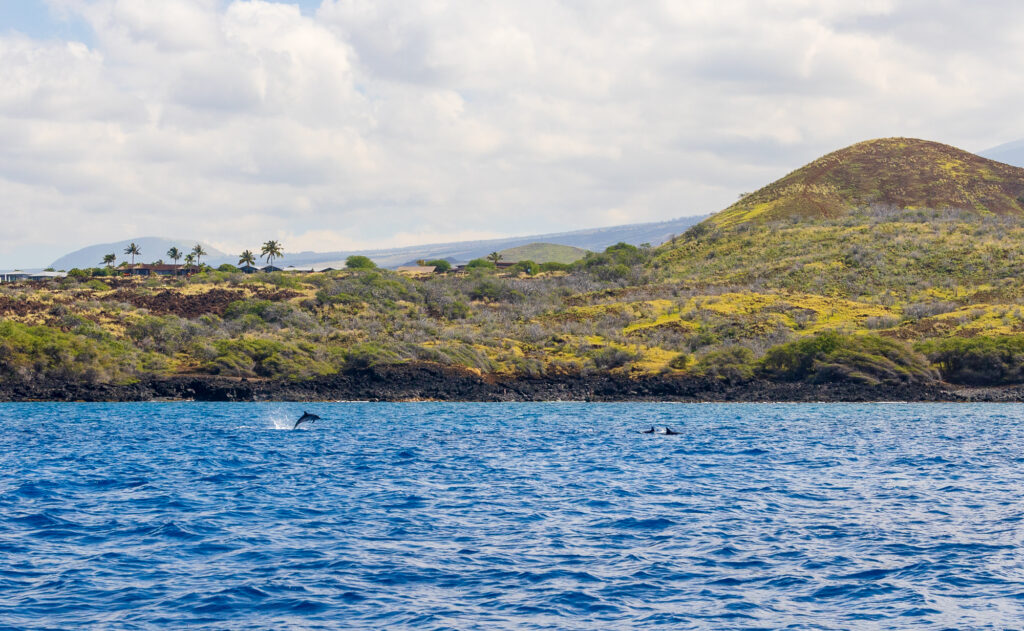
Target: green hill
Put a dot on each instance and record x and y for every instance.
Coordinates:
(544, 253)
(898, 217)
(902, 173)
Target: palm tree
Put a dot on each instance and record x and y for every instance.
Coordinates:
(108, 259)
(494, 257)
(174, 254)
(133, 250)
(271, 250)
(190, 259)
(247, 258)
(199, 252)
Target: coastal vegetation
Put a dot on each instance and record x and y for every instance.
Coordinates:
(885, 293)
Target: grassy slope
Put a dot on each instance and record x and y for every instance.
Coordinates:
(891, 172)
(544, 253)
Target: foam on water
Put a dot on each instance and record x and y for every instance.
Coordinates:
(511, 516)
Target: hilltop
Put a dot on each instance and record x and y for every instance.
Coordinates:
(900, 218)
(544, 253)
(901, 173)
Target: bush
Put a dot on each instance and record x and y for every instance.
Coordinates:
(79, 274)
(494, 291)
(480, 264)
(525, 267)
(610, 357)
(440, 265)
(978, 361)
(552, 266)
(836, 357)
(359, 262)
(680, 361)
(228, 267)
(733, 364)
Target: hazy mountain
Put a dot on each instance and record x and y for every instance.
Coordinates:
(1009, 153)
(594, 239)
(153, 248)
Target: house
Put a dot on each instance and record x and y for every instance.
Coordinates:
(271, 268)
(248, 269)
(142, 269)
(13, 276)
(416, 270)
(46, 275)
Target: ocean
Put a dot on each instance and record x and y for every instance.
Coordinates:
(511, 516)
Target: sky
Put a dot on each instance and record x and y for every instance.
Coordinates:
(354, 124)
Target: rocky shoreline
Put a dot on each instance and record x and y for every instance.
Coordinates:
(432, 382)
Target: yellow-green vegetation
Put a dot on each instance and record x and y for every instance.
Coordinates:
(915, 271)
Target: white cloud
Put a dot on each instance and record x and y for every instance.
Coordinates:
(388, 122)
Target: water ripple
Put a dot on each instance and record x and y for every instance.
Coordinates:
(511, 516)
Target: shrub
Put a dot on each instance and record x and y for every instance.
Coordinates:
(440, 265)
(978, 361)
(495, 291)
(357, 261)
(919, 310)
(611, 357)
(732, 364)
(835, 357)
(480, 264)
(680, 361)
(228, 267)
(525, 267)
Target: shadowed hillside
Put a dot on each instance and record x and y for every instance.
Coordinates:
(903, 173)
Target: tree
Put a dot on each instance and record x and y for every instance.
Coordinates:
(174, 254)
(108, 259)
(440, 265)
(494, 257)
(247, 258)
(134, 251)
(480, 264)
(198, 250)
(190, 259)
(271, 250)
(359, 262)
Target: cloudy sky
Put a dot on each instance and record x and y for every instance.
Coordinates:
(347, 124)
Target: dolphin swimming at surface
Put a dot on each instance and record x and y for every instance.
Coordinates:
(669, 432)
(306, 416)
(648, 431)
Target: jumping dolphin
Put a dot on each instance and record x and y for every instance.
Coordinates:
(669, 432)
(306, 416)
(648, 431)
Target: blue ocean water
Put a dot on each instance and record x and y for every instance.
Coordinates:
(511, 516)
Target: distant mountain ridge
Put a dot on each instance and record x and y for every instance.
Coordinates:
(594, 239)
(1008, 153)
(887, 172)
(152, 248)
